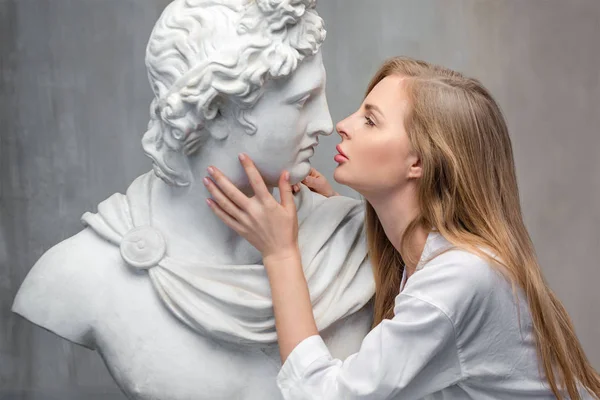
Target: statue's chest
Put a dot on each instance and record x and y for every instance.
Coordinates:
(152, 355)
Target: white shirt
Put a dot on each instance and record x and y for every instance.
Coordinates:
(455, 335)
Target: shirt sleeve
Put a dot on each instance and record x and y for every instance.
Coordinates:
(410, 356)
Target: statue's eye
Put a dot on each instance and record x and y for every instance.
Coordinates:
(302, 101)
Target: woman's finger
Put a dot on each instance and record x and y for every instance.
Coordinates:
(226, 218)
(222, 200)
(256, 180)
(228, 188)
(285, 191)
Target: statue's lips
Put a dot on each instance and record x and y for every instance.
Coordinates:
(311, 146)
(310, 149)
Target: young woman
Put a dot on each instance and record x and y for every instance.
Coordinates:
(461, 308)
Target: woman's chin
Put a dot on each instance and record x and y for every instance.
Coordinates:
(339, 177)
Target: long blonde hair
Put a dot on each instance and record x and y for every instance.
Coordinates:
(468, 192)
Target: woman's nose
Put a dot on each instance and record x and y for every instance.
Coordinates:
(341, 128)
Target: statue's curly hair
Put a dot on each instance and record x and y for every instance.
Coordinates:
(204, 54)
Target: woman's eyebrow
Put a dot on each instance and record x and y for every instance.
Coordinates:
(372, 107)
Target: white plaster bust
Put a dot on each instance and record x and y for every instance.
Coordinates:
(176, 303)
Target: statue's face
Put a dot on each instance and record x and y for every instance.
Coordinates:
(289, 118)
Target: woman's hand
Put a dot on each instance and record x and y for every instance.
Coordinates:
(317, 183)
(268, 225)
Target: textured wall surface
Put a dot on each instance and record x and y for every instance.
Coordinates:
(74, 104)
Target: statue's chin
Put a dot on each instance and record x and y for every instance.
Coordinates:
(299, 172)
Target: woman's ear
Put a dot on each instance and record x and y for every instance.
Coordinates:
(415, 170)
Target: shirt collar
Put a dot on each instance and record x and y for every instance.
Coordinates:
(434, 245)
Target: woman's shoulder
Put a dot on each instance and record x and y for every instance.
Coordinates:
(456, 281)
(476, 271)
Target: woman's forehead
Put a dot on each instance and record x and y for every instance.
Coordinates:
(389, 92)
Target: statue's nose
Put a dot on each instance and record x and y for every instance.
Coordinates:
(321, 124)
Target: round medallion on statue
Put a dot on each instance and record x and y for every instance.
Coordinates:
(143, 247)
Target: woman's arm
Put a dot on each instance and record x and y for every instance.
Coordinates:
(294, 318)
(409, 357)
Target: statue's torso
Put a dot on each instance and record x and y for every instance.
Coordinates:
(153, 355)
(149, 352)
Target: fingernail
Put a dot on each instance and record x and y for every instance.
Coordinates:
(211, 170)
(206, 181)
(209, 202)
(286, 176)
(242, 156)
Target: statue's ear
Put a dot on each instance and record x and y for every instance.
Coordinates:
(230, 118)
(166, 153)
(221, 126)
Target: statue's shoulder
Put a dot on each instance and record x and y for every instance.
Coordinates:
(348, 207)
(66, 287)
(317, 200)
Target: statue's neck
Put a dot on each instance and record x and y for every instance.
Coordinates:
(191, 229)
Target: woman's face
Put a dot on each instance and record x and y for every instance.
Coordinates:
(377, 157)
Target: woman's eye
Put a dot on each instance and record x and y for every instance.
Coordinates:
(369, 121)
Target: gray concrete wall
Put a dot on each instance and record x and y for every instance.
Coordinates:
(74, 104)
